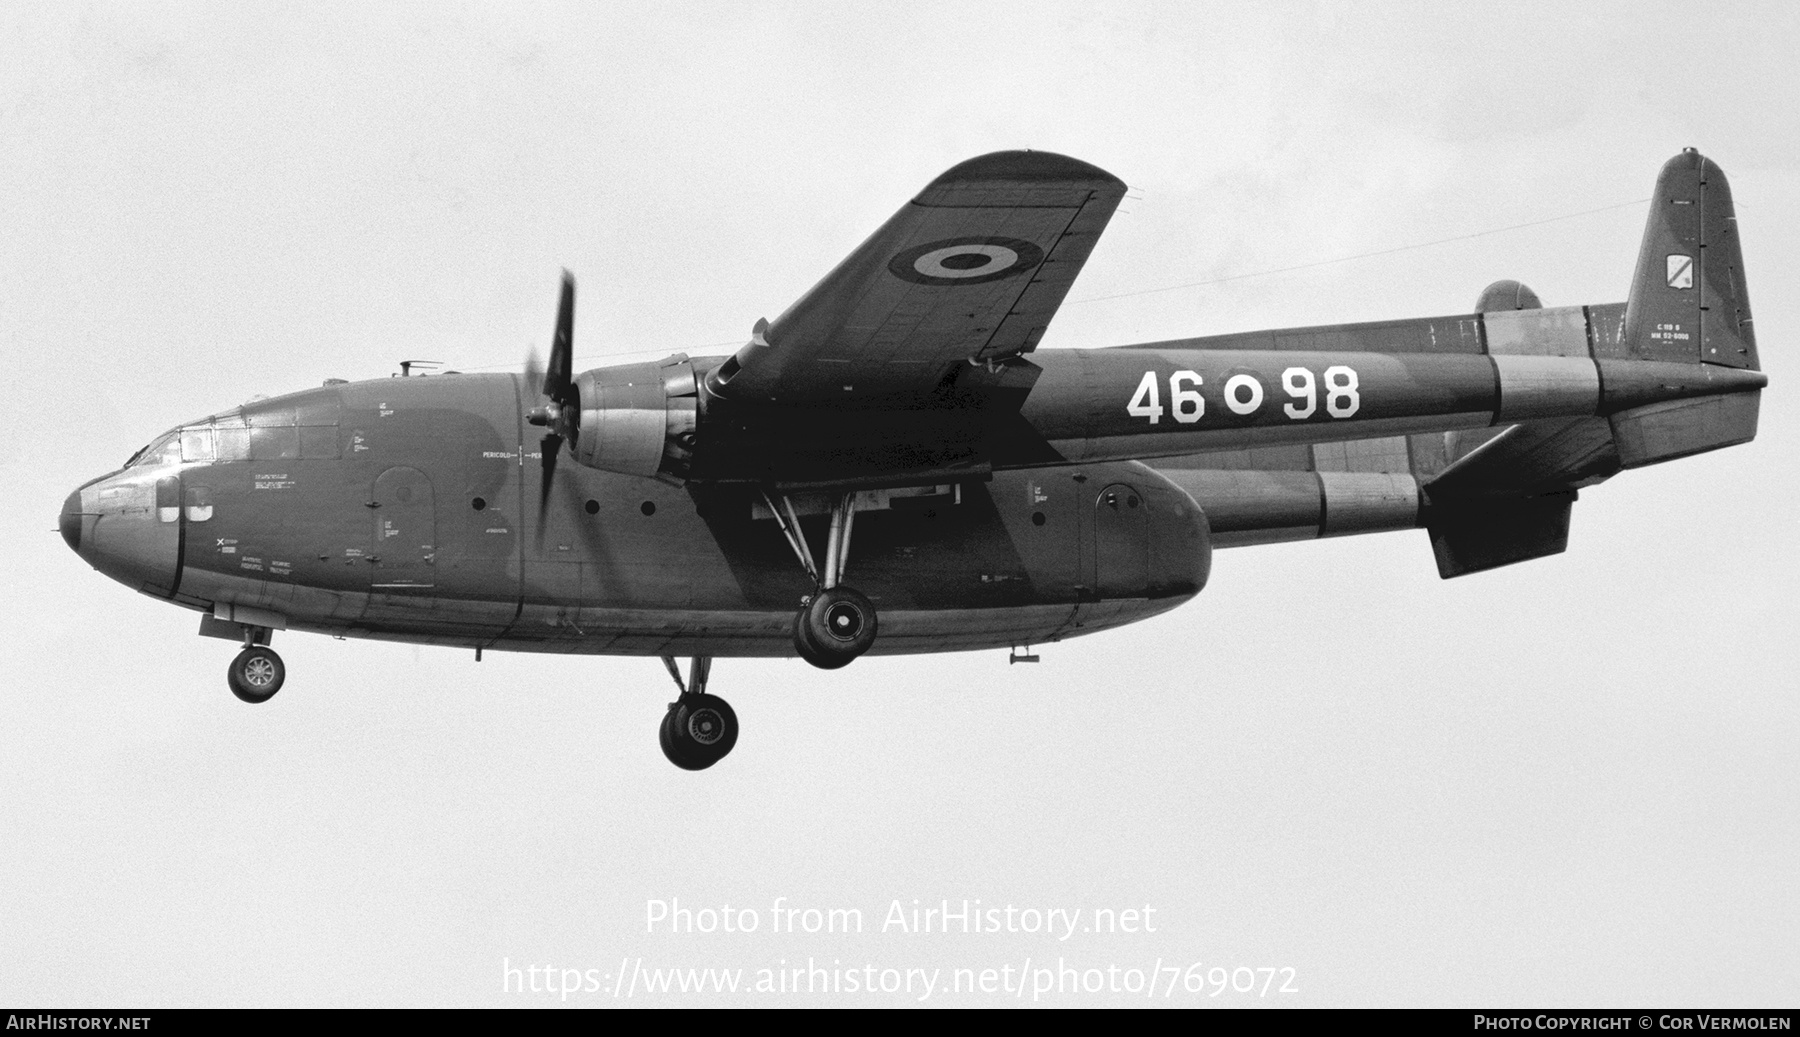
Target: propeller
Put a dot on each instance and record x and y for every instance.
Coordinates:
(561, 410)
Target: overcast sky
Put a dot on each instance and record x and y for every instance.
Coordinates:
(1569, 782)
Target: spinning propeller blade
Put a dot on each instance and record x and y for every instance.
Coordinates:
(558, 380)
(534, 367)
(557, 414)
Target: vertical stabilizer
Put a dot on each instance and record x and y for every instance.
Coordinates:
(1688, 301)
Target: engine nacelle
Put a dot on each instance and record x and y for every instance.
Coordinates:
(638, 419)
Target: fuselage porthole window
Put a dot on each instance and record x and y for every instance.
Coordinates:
(199, 504)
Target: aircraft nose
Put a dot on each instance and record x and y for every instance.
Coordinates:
(70, 523)
(127, 526)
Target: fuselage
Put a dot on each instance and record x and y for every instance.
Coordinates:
(408, 509)
(1006, 507)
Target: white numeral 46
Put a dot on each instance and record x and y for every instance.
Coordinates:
(1186, 404)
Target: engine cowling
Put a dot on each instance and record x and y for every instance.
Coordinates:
(638, 419)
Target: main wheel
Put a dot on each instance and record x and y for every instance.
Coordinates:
(836, 626)
(699, 731)
(256, 674)
(679, 752)
(806, 649)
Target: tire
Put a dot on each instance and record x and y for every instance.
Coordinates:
(806, 649)
(838, 625)
(704, 728)
(678, 753)
(698, 731)
(256, 674)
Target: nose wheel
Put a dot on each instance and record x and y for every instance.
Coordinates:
(837, 623)
(256, 674)
(699, 729)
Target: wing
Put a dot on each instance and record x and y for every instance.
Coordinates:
(971, 269)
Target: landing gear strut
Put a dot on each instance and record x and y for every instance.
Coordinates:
(256, 674)
(699, 729)
(835, 623)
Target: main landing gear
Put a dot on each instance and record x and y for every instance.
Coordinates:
(699, 729)
(257, 673)
(835, 623)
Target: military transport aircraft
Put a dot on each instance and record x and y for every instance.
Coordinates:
(998, 497)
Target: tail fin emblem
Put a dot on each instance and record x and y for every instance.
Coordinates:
(1681, 271)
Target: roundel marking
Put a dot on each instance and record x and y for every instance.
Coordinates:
(965, 260)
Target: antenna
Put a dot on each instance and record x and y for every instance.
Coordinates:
(406, 366)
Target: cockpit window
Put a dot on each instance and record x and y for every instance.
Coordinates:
(163, 450)
(302, 426)
(197, 444)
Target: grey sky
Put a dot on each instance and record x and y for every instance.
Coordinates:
(1571, 782)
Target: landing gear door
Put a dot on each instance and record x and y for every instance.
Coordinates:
(405, 535)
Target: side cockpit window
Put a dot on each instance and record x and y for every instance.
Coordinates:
(196, 443)
(224, 440)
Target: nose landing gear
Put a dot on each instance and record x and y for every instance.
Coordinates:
(699, 729)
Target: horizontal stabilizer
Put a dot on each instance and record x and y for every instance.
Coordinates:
(1681, 428)
(1529, 459)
